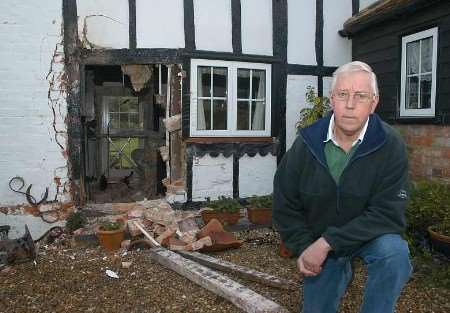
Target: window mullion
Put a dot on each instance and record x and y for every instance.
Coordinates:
(250, 101)
(211, 118)
(419, 101)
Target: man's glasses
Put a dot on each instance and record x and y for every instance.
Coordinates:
(358, 97)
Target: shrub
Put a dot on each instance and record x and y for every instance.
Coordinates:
(317, 108)
(260, 201)
(110, 225)
(224, 204)
(75, 221)
(429, 204)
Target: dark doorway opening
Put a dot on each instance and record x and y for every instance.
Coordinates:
(122, 120)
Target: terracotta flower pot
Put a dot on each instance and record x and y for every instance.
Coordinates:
(439, 242)
(110, 239)
(261, 216)
(223, 217)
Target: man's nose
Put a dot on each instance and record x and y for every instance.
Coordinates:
(350, 102)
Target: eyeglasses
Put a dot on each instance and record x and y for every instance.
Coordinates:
(358, 97)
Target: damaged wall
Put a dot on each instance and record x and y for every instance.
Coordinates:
(103, 23)
(256, 175)
(32, 123)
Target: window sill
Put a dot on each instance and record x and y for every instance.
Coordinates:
(228, 139)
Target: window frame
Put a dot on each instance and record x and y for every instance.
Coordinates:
(430, 112)
(232, 68)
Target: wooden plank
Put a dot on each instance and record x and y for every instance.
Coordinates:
(242, 271)
(239, 295)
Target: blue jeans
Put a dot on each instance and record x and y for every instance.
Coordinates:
(388, 266)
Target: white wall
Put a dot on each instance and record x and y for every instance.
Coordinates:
(327, 86)
(212, 20)
(301, 47)
(29, 33)
(106, 21)
(295, 101)
(256, 27)
(212, 177)
(365, 3)
(256, 175)
(160, 24)
(17, 222)
(336, 50)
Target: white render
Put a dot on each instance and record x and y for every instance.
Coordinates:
(212, 177)
(212, 20)
(256, 27)
(256, 175)
(365, 3)
(17, 222)
(336, 49)
(301, 48)
(295, 101)
(106, 23)
(30, 36)
(327, 86)
(160, 24)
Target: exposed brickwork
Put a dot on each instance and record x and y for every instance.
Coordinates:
(428, 150)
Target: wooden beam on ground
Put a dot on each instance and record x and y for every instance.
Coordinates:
(239, 295)
(242, 271)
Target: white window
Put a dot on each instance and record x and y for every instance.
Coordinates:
(418, 78)
(230, 98)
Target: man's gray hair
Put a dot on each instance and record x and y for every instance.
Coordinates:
(356, 66)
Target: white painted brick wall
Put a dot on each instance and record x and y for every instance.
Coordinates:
(30, 32)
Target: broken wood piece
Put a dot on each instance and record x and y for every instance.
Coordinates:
(241, 271)
(239, 295)
(199, 244)
(152, 240)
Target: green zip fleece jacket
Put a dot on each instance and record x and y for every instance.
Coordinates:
(368, 201)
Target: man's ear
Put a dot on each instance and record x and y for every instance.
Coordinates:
(375, 101)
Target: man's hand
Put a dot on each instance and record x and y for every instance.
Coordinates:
(310, 261)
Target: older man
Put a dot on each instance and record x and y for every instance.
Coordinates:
(340, 192)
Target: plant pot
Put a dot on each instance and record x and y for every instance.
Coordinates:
(261, 216)
(110, 239)
(439, 242)
(223, 217)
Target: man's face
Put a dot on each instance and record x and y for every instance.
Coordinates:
(353, 100)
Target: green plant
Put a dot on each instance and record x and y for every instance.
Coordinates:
(224, 204)
(260, 201)
(75, 221)
(110, 225)
(429, 204)
(317, 108)
(442, 227)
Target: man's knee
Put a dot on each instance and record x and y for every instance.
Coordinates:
(391, 252)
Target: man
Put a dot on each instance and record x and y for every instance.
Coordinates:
(340, 192)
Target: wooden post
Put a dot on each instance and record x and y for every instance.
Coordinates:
(239, 295)
(241, 271)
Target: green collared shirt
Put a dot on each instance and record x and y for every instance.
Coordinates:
(337, 158)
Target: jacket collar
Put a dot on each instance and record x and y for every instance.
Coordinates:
(315, 136)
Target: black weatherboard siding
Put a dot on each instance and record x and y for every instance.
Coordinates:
(380, 46)
(236, 26)
(132, 25)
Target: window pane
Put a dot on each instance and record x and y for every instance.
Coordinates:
(114, 120)
(121, 160)
(114, 104)
(134, 121)
(124, 120)
(220, 115)
(427, 54)
(243, 112)
(243, 84)
(204, 81)
(412, 57)
(425, 91)
(259, 84)
(220, 82)
(258, 115)
(204, 114)
(412, 93)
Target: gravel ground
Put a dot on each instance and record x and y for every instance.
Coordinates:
(67, 278)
